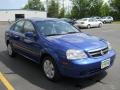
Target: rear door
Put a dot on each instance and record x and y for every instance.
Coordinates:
(91, 22)
(16, 35)
(96, 22)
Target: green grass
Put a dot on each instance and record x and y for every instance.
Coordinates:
(116, 22)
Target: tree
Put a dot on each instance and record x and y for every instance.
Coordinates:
(75, 12)
(53, 9)
(61, 13)
(105, 10)
(34, 5)
(95, 7)
(86, 8)
(67, 15)
(116, 5)
(80, 8)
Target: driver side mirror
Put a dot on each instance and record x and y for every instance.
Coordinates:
(30, 34)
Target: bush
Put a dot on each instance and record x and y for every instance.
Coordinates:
(115, 15)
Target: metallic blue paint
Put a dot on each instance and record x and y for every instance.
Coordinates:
(56, 47)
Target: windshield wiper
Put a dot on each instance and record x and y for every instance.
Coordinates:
(61, 34)
(54, 34)
(71, 32)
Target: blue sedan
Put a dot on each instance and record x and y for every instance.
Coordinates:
(60, 48)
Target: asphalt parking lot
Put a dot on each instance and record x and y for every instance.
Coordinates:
(26, 75)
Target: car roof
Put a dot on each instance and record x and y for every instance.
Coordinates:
(84, 18)
(87, 18)
(43, 19)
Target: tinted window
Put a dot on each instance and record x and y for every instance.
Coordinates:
(18, 26)
(28, 27)
(12, 27)
(84, 19)
(90, 20)
(104, 18)
(109, 17)
(94, 20)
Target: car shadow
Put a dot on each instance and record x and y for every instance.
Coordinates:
(31, 72)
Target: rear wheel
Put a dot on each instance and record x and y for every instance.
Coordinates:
(100, 25)
(104, 22)
(110, 21)
(50, 69)
(11, 53)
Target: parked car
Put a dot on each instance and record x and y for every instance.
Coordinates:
(60, 48)
(107, 19)
(88, 23)
(68, 21)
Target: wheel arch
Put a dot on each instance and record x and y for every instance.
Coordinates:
(50, 53)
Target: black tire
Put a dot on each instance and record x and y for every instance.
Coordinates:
(10, 50)
(100, 25)
(104, 22)
(88, 26)
(56, 75)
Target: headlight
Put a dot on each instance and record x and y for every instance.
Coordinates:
(109, 45)
(75, 54)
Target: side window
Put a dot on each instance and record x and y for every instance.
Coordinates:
(109, 17)
(28, 27)
(12, 27)
(90, 20)
(18, 26)
(94, 20)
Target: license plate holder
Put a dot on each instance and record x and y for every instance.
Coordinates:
(105, 63)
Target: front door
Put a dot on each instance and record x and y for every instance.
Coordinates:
(31, 44)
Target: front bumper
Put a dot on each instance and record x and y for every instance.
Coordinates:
(87, 67)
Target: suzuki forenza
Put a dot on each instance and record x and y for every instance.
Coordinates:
(60, 48)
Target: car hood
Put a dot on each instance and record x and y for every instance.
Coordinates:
(78, 41)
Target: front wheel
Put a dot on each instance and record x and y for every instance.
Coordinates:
(11, 53)
(50, 69)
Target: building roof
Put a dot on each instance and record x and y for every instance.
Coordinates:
(19, 10)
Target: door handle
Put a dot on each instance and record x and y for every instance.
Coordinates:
(29, 41)
(16, 36)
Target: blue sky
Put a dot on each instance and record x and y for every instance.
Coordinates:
(12, 4)
(17, 4)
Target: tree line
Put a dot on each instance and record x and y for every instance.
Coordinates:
(79, 8)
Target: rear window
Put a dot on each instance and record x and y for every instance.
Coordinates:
(85, 19)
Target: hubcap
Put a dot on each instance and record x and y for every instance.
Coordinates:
(49, 69)
(100, 25)
(88, 26)
(9, 50)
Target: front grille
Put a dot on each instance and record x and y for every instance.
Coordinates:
(98, 53)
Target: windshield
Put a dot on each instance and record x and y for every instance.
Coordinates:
(50, 28)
